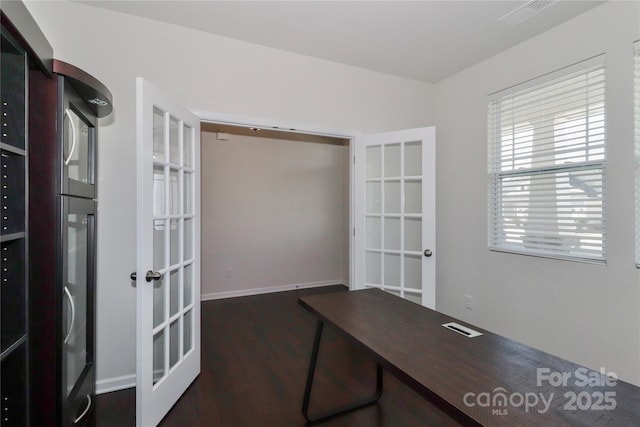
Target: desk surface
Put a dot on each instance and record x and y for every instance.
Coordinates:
(485, 380)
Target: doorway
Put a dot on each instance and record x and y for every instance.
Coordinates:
(275, 210)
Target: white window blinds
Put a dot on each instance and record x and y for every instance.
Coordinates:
(546, 141)
(636, 99)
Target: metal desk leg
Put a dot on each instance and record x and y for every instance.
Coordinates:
(307, 390)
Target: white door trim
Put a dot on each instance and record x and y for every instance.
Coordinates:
(207, 116)
(212, 117)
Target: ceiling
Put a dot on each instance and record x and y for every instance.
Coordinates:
(421, 40)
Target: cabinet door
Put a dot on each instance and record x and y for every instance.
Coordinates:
(78, 144)
(80, 405)
(78, 231)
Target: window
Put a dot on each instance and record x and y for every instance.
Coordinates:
(636, 92)
(546, 141)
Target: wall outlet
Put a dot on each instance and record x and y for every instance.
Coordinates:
(227, 273)
(468, 302)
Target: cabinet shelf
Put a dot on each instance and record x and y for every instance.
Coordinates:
(10, 343)
(12, 149)
(13, 236)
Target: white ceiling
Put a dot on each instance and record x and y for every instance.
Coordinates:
(422, 40)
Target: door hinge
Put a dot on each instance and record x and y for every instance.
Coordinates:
(354, 232)
(354, 160)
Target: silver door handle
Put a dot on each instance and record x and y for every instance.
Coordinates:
(151, 275)
(73, 137)
(81, 416)
(428, 253)
(73, 313)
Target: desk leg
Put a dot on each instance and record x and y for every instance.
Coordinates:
(344, 409)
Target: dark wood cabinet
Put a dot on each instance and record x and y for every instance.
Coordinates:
(63, 264)
(24, 55)
(49, 112)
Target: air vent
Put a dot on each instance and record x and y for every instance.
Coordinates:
(526, 11)
(462, 330)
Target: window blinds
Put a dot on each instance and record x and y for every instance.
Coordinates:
(546, 141)
(636, 99)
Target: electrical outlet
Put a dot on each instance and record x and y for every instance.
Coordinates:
(468, 302)
(227, 273)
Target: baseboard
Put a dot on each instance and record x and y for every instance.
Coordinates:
(270, 289)
(116, 383)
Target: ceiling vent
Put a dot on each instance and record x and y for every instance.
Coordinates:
(526, 11)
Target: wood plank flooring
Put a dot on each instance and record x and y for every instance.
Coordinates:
(255, 356)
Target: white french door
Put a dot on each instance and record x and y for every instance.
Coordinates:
(168, 253)
(394, 210)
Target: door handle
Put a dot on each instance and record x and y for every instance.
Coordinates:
(428, 253)
(73, 137)
(73, 313)
(151, 275)
(86, 409)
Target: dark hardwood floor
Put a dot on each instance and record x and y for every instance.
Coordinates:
(255, 356)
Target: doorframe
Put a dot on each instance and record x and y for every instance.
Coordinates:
(304, 128)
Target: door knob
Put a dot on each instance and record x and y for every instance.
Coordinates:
(428, 253)
(151, 275)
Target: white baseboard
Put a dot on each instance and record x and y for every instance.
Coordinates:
(116, 383)
(258, 291)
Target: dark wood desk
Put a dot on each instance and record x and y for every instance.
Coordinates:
(467, 377)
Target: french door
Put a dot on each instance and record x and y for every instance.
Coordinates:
(394, 207)
(168, 253)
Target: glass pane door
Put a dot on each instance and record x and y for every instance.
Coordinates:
(77, 144)
(167, 252)
(78, 285)
(393, 218)
(173, 239)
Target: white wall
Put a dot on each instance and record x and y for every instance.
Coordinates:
(275, 212)
(586, 313)
(205, 73)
